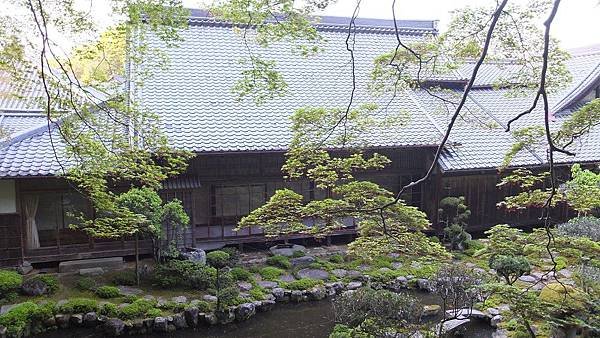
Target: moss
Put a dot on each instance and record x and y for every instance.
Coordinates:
(10, 281)
(86, 284)
(136, 309)
(565, 297)
(50, 281)
(202, 305)
(79, 305)
(126, 277)
(298, 254)
(109, 310)
(336, 259)
(257, 293)
(279, 261)
(301, 284)
(271, 273)
(107, 291)
(153, 313)
(239, 273)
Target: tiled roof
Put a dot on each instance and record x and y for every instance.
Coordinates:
(199, 112)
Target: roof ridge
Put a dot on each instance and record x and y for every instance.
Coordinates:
(29, 133)
(580, 89)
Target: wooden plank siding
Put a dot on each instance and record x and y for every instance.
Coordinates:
(11, 249)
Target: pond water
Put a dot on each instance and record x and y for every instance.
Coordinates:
(304, 320)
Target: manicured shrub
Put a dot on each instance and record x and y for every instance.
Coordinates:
(10, 281)
(337, 259)
(50, 281)
(19, 317)
(510, 267)
(343, 331)
(586, 226)
(217, 259)
(385, 276)
(229, 296)
(126, 277)
(257, 293)
(270, 273)
(86, 284)
(234, 255)
(109, 310)
(79, 305)
(301, 284)
(202, 305)
(184, 274)
(279, 261)
(153, 313)
(136, 309)
(107, 291)
(239, 273)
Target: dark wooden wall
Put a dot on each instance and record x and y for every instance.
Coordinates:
(10, 240)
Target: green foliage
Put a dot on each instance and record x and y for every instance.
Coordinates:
(109, 310)
(271, 273)
(241, 274)
(257, 293)
(510, 267)
(583, 189)
(79, 305)
(343, 331)
(125, 277)
(279, 261)
(336, 259)
(298, 254)
(86, 283)
(202, 305)
(504, 240)
(107, 291)
(526, 137)
(377, 311)
(153, 313)
(585, 226)
(19, 317)
(563, 297)
(10, 281)
(137, 309)
(228, 296)
(217, 259)
(301, 284)
(184, 274)
(234, 255)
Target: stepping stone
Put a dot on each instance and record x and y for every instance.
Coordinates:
(267, 284)
(179, 300)
(109, 263)
(209, 298)
(244, 286)
(353, 285)
(129, 291)
(339, 273)
(287, 278)
(313, 274)
(91, 272)
(286, 251)
(396, 265)
(302, 261)
(527, 279)
(565, 273)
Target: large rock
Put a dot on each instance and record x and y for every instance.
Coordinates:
(287, 278)
(452, 326)
(210, 298)
(280, 295)
(226, 316)
(431, 310)
(266, 305)
(109, 263)
(466, 313)
(62, 320)
(25, 268)
(191, 316)
(34, 287)
(313, 274)
(353, 285)
(91, 271)
(339, 273)
(160, 324)
(287, 251)
(424, 284)
(495, 321)
(179, 321)
(195, 255)
(528, 279)
(297, 296)
(90, 319)
(114, 327)
(6, 308)
(179, 300)
(76, 320)
(244, 286)
(302, 261)
(245, 311)
(316, 293)
(267, 284)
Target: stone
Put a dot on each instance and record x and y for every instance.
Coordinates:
(210, 298)
(245, 311)
(335, 286)
(129, 291)
(466, 313)
(364, 267)
(500, 333)
(195, 255)
(149, 297)
(6, 308)
(179, 300)
(451, 326)
(179, 321)
(62, 320)
(353, 274)
(3, 331)
(160, 324)
(528, 279)
(91, 271)
(211, 319)
(280, 295)
(313, 274)
(286, 250)
(266, 305)
(109, 263)
(302, 261)
(287, 278)
(396, 265)
(503, 308)
(493, 311)
(226, 316)
(394, 255)
(353, 285)
(424, 284)
(244, 286)
(339, 273)
(565, 273)
(316, 293)
(431, 310)
(25, 268)
(415, 265)
(50, 322)
(114, 327)
(90, 319)
(495, 321)
(191, 316)
(34, 287)
(267, 284)
(296, 296)
(161, 302)
(149, 323)
(76, 320)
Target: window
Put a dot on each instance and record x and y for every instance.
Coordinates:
(230, 203)
(411, 196)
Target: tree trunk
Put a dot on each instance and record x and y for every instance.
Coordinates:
(137, 259)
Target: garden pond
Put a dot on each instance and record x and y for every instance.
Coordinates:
(302, 320)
